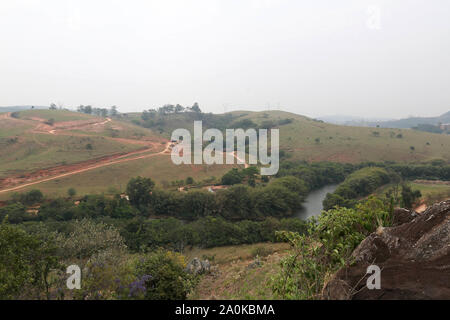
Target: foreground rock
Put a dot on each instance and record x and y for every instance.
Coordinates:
(413, 255)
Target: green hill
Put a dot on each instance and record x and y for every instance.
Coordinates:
(307, 139)
(30, 144)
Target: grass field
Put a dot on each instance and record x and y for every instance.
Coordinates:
(115, 177)
(431, 191)
(233, 276)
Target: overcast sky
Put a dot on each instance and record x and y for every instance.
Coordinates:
(319, 57)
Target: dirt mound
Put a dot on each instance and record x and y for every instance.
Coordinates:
(414, 258)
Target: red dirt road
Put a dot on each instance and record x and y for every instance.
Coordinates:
(17, 183)
(102, 163)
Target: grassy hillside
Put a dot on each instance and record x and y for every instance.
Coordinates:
(235, 275)
(114, 178)
(57, 115)
(30, 143)
(311, 140)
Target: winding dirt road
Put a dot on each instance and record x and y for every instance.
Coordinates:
(73, 169)
(166, 151)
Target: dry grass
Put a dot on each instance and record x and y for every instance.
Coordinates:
(232, 276)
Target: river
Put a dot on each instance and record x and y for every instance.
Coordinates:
(313, 202)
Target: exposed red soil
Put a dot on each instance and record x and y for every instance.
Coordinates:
(17, 182)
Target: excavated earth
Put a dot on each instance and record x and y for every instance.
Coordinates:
(413, 255)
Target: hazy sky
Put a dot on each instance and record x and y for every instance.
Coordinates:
(365, 58)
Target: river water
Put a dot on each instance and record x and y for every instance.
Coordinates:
(313, 202)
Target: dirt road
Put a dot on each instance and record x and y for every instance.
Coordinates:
(166, 151)
(68, 170)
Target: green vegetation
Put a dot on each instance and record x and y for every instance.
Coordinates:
(125, 255)
(359, 184)
(326, 247)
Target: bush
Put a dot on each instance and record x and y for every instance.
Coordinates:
(161, 276)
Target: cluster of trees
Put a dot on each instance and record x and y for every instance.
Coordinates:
(434, 170)
(34, 258)
(173, 234)
(403, 195)
(360, 183)
(101, 112)
(169, 109)
(266, 124)
(316, 175)
(239, 202)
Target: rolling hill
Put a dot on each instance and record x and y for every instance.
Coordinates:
(414, 121)
(95, 154)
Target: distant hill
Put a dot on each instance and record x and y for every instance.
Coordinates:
(351, 120)
(414, 122)
(303, 138)
(136, 143)
(20, 108)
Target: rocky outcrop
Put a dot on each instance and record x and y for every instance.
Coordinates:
(197, 266)
(413, 255)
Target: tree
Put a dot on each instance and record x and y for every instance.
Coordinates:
(196, 108)
(88, 109)
(189, 180)
(139, 191)
(276, 201)
(409, 196)
(236, 203)
(113, 111)
(31, 197)
(53, 106)
(15, 212)
(25, 263)
(71, 192)
(179, 108)
(232, 177)
(196, 204)
(88, 238)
